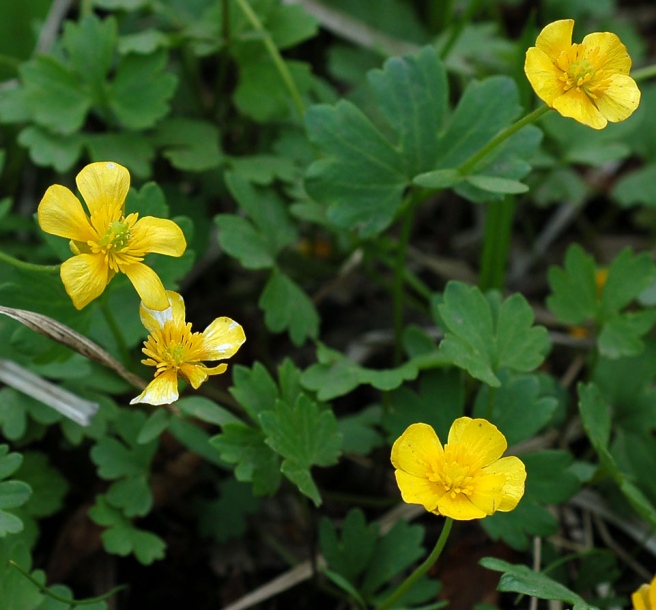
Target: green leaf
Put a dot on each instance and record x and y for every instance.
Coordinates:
(620, 336)
(304, 435)
(141, 90)
(363, 176)
(254, 389)
(143, 42)
(439, 403)
(335, 375)
(122, 538)
(521, 579)
(256, 462)
(494, 184)
(129, 149)
(439, 179)
(48, 149)
(18, 593)
(90, 44)
(48, 485)
(518, 409)
(54, 96)
(358, 431)
(239, 238)
(267, 211)
(12, 493)
(290, 25)
(574, 291)
(482, 342)
(132, 495)
(394, 552)
(595, 417)
(226, 517)
(259, 74)
(157, 422)
(635, 188)
(287, 307)
(190, 144)
(348, 554)
(205, 409)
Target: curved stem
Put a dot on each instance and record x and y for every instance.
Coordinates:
(409, 582)
(531, 117)
(60, 598)
(10, 260)
(275, 56)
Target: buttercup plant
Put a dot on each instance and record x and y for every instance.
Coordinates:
(455, 365)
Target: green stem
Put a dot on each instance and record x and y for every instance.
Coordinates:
(531, 117)
(644, 73)
(66, 600)
(409, 582)
(496, 243)
(398, 287)
(275, 56)
(457, 30)
(10, 260)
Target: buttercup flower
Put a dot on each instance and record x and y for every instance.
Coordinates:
(178, 352)
(467, 478)
(588, 82)
(107, 241)
(645, 597)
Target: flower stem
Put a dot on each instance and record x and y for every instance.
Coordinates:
(644, 73)
(531, 117)
(66, 600)
(275, 55)
(409, 582)
(10, 260)
(496, 243)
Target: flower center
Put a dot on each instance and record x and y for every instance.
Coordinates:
(117, 236)
(173, 346)
(456, 472)
(580, 67)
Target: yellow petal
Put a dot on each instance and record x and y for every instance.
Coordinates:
(61, 213)
(154, 319)
(148, 285)
(84, 277)
(543, 75)
(478, 437)
(556, 38)
(652, 594)
(577, 105)
(416, 449)
(158, 235)
(459, 508)
(640, 598)
(488, 492)
(222, 338)
(620, 100)
(514, 472)
(195, 374)
(612, 54)
(104, 186)
(418, 490)
(163, 390)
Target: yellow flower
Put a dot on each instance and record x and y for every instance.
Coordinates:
(107, 241)
(588, 82)
(178, 352)
(467, 478)
(645, 597)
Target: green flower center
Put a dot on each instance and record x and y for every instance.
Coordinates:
(580, 70)
(117, 236)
